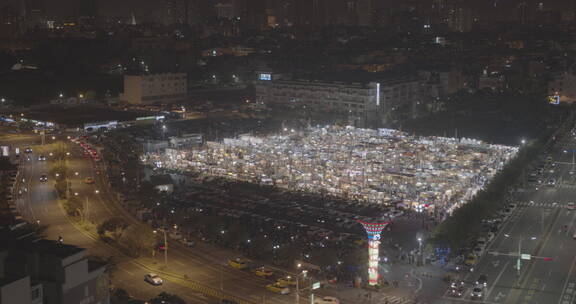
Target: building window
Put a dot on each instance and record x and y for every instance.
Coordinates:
(35, 293)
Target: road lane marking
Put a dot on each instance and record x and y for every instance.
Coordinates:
(497, 279)
(180, 263)
(129, 272)
(564, 289)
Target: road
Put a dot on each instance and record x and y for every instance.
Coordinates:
(537, 228)
(39, 203)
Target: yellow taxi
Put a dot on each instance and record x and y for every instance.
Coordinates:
(471, 260)
(263, 272)
(239, 263)
(277, 288)
(89, 180)
(286, 281)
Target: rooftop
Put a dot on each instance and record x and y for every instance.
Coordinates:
(47, 247)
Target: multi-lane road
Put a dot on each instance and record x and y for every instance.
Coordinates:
(542, 226)
(39, 202)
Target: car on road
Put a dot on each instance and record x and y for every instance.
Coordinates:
(326, 300)
(153, 279)
(41, 158)
(239, 263)
(570, 206)
(478, 251)
(277, 288)
(28, 150)
(88, 180)
(482, 280)
(477, 292)
(263, 272)
(43, 178)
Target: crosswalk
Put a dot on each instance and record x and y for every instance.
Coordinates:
(388, 299)
(566, 186)
(544, 205)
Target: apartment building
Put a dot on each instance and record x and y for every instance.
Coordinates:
(152, 88)
(49, 272)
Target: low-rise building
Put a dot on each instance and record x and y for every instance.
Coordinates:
(49, 272)
(152, 88)
(186, 140)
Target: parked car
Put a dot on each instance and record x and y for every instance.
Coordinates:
(482, 280)
(477, 292)
(277, 288)
(326, 300)
(239, 263)
(471, 260)
(287, 281)
(263, 272)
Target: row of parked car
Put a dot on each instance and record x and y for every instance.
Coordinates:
(9, 214)
(282, 283)
(489, 229)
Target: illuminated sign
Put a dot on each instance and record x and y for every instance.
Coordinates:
(378, 94)
(264, 76)
(554, 99)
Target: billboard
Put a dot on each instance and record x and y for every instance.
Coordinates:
(265, 76)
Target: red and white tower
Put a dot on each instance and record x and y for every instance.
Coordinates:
(373, 230)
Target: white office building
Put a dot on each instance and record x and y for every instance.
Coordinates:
(154, 88)
(365, 103)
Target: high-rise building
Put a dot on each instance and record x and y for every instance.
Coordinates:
(88, 8)
(365, 11)
(460, 19)
(310, 12)
(255, 14)
(523, 12)
(187, 12)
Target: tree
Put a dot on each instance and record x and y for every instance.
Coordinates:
(61, 187)
(115, 226)
(73, 206)
(165, 297)
(140, 239)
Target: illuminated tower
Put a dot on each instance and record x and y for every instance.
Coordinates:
(373, 231)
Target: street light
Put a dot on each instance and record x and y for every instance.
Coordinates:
(165, 245)
(420, 250)
(519, 261)
(523, 141)
(303, 273)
